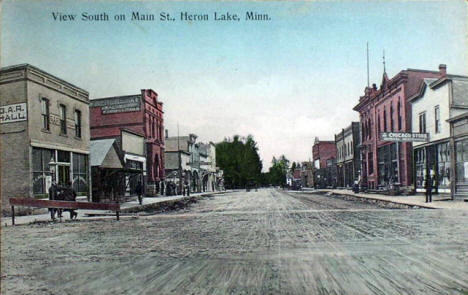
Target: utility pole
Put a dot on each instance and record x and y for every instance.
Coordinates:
(179, 158)
(367, 64)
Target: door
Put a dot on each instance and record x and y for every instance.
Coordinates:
(63, 175)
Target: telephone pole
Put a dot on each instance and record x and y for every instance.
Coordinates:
(179, 158)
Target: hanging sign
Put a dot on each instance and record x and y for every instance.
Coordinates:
(13, 113)
(404, 136)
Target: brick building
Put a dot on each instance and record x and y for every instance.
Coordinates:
(347, 155)
(141, 114)
(44, 131)
(324, 157)
(388, 109)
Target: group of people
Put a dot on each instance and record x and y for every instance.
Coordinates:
(62, 193)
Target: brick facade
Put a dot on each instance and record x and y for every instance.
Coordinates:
(145, 119)
(388, 109)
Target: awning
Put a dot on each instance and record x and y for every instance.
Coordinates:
(104, 155)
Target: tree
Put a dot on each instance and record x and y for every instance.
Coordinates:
(278, 170)
(239, 159)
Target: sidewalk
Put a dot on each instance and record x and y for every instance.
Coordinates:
(128, 209)
(438, 202)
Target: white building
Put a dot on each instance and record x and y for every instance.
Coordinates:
(431, 107)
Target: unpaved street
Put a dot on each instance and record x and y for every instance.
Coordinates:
(265, 242)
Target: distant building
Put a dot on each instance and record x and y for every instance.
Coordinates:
(324, 157)
(307, 174)
(388, 109)
(198, 163)
(347, 155)
(141, 114)
(44, 131)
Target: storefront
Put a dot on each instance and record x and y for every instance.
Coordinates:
(388, 164)
(61, 167)
(461, 152)
(436, 158)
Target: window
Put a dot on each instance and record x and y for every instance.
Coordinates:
(371, 162)
(80, 173)
(63, 119)
(385, 119)
(41, 158)
(378, 123)
(422, 123)
(78, 123)
(399, 114)
(437, 119)
(45, 114)
(391, 117)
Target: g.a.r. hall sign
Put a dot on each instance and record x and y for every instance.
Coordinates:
(13, 113)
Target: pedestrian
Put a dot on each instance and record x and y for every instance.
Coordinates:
(429, 186)
(187, 187)
(139, 192)
(163, 185)
(69, 194)
(53, 196)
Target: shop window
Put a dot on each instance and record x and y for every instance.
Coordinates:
(80, 173)
(41, 158)
(45, 114)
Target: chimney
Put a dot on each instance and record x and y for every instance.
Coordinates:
(443, 69)
(166, 133)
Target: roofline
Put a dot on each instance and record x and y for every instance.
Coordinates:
(459, 117)
(109, 97)
(26, 66)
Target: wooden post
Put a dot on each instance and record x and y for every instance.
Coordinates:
(13, 215)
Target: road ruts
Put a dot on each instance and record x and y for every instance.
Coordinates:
(265, 242)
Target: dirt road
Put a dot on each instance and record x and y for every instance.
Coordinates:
(265, 242)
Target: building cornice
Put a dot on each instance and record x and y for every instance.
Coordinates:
(36, 75)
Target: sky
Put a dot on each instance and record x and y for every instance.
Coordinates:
(285, 81)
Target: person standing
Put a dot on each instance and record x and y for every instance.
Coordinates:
(429, 187)
(139, 192)
(53, 196)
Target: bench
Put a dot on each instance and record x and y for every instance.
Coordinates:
(31, 202)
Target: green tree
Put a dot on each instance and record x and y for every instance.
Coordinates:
(239, 159)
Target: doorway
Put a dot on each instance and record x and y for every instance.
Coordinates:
(63, 174)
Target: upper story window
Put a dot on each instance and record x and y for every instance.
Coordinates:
(399, 113)
(422, 123)
(391, 117)
(78, 123)
(385, 119)
(63, 119)
(45, 114)
(378, 123)
(437, 122)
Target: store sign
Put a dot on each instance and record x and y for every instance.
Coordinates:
(404, 136)
(13, 113)
(118, 105)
